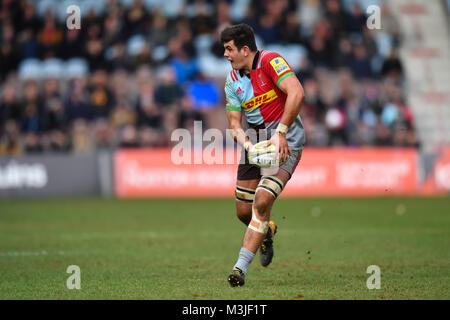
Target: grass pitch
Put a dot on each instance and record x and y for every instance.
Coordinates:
(185, 249)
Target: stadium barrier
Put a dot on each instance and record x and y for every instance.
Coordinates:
(49, 176)
(151, 173)
(321, 172)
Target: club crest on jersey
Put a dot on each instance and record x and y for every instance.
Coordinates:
(261, 78)
(239, 91)
(279, 65)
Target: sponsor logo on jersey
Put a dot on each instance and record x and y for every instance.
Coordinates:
(259, 100)
(239, 91)
(279, 65)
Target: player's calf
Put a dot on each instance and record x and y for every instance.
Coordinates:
(267, 191)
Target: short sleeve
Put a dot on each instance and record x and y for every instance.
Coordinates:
(276, 67)
(232, 101)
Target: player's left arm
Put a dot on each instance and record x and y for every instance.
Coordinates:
(295, 96)
(283, 76)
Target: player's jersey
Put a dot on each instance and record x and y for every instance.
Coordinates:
(260, 97)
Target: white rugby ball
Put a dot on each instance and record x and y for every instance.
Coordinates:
(264, 156)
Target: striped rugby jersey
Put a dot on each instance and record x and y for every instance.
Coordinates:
(259, 96)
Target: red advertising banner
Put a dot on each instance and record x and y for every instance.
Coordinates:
(321, 172)
(354, 172)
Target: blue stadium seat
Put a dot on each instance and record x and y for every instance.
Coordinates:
(30, 69)
(76, 68)
(53, 68)
(136, 44)
(43, 5)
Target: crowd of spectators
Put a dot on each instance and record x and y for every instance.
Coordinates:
(143, 80)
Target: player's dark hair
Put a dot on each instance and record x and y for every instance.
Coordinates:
(242, 34)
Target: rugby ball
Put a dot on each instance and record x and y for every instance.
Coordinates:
(264, 156)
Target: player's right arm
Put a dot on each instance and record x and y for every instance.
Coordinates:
(238, 134)
(234, 115)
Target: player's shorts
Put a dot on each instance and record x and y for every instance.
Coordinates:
(247, 171)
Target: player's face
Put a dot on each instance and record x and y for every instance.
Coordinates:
(235, 56)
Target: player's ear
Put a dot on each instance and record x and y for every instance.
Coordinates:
(246, 51)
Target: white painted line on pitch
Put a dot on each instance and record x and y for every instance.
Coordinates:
(24, 253)
(109, 235)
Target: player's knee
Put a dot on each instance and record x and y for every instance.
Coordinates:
(270, 186)
(262, 204)
(244, 195)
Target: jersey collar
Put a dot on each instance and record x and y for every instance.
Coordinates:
(254, 64)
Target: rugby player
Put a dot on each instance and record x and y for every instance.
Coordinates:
(263, 86)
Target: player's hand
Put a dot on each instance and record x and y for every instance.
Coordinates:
(281, 145)
(248, 145)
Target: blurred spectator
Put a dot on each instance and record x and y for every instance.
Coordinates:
(9, 55)
(149, 113)
(10, 108)
(100, 97)
(32, 143)
(113, 30)
(29, 24)
(72, 45)
(141, 57)
(123, 115)
(368, 41)
(290, 30)
(94, 49)
(49, 37)
(55, 115)
(51, 89)
(335, 122)
(344, 55)
(128, 137)
(269, 24)
(10, 139)
(202, 21)
(392, 66)
(319, 52)
(308, 13)
(168, 92)
(182, 53)
(58, 141)
(383, 135)
(102, 134)
(205, 97)
(136, 19)
(188, 114)
(223, 17)
(118, 59)
(360, 63)
(81, 138)
(356, 19)
(32, 109)
(203, 92)
(160, 31)
(337, 18)
(76, 106)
